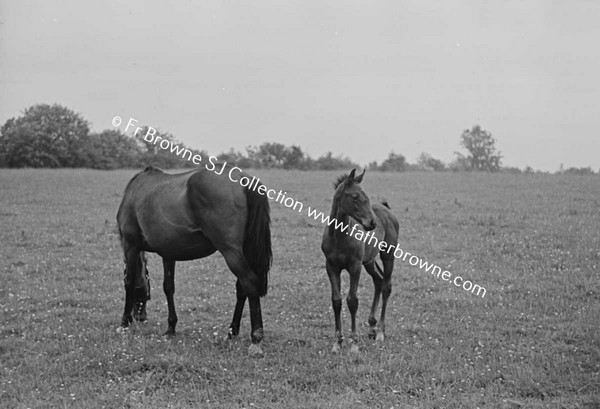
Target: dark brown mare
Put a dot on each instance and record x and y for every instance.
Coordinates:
(188, 216)
(345, 249)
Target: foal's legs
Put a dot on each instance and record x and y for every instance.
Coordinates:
(352, 301)
(386, 290)
(377, 281)
(248, 283)
(336, 302)
(169, 288)
(234, 328)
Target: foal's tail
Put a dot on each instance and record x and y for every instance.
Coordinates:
(257, 238)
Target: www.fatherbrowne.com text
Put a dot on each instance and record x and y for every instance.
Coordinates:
(235, 174)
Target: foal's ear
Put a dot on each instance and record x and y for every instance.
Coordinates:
(360, 177)
(351, 175)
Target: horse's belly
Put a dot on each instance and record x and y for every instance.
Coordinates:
(170, 231)
(372, 245)
(181, 245)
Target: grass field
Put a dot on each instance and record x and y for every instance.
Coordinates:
(533, 341)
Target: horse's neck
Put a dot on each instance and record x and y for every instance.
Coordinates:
(340, 217)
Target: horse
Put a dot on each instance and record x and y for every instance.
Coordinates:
(344, 249)
(188, 216)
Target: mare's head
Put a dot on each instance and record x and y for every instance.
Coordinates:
(352, 201)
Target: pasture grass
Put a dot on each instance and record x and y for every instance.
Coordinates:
(532, 241)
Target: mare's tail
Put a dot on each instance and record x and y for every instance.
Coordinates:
(257, 238)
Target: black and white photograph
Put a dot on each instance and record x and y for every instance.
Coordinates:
(300, 204)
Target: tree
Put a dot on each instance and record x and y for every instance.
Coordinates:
(250, 160)
(579, 171)
(232, 157)
(394, 163)
(460, 164)
(482, 150)
(271, 155)
(111, 149)
(276, 155)
(45, 136)
(373, 166)
(427, 162)
(512, 170)
(294, 158)
(153, 153)
(329, 162)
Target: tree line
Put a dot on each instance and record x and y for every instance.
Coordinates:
(52, 136)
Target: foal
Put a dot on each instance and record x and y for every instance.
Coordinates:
(344, 249)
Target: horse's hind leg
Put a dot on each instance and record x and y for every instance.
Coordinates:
(257, 325)
(234, 328)
(377, 282)
(249, 285)
(386, 290)
(169, 288)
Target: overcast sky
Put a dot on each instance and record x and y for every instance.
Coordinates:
(358, 78)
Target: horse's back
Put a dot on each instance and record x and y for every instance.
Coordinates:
(145, 187)
(197, 188)
(385, 231)
(389, 222)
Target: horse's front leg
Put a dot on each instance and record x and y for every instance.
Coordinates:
(169, 288)
(142, 288)
(336, 303)
(131, 265)
(234, 328)
(352, 301)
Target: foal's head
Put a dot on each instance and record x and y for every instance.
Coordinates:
(352, 201)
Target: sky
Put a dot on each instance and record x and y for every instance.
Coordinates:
(358, 78)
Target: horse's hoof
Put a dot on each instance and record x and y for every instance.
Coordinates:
(336, 348)
(140, 317)
(122, 330)
(380, 337)
(354, 349)
(231, 335)
(170, 333)
(255, 350)
(227, 339)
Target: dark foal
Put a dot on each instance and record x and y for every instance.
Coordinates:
(345, 250)
(189, 216)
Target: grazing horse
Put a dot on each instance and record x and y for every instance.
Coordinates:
(344, 249)
(188, 216)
